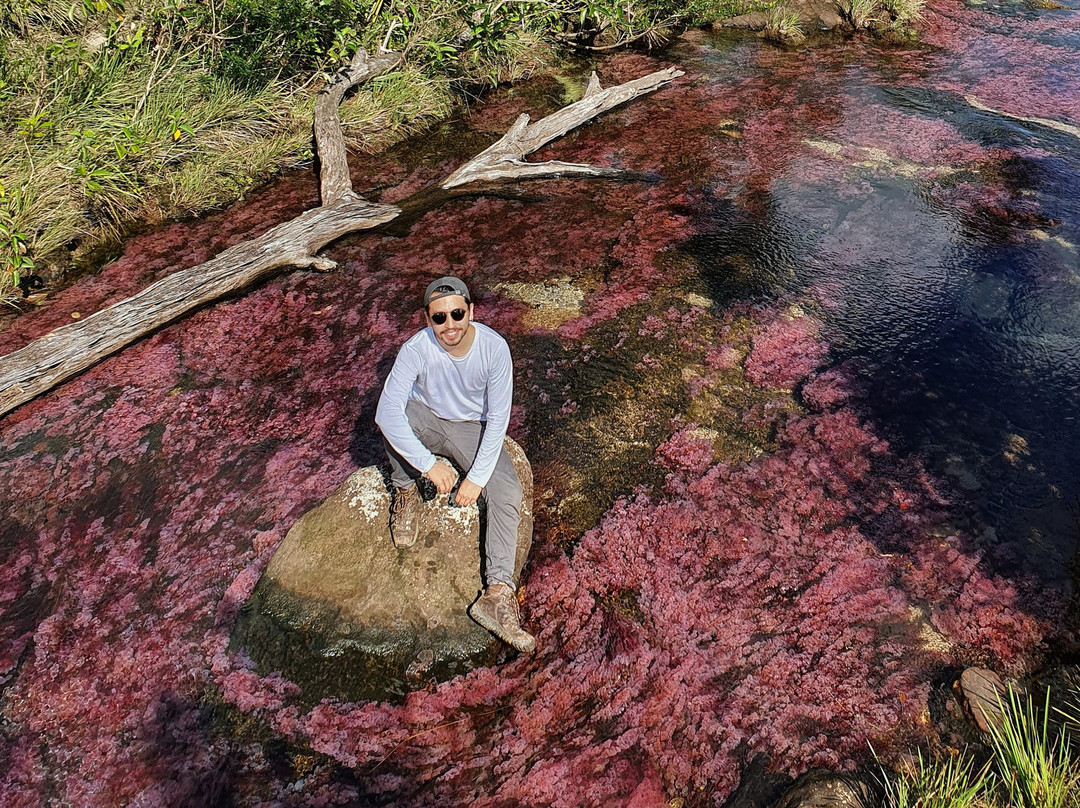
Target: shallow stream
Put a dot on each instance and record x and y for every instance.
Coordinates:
(802, 411)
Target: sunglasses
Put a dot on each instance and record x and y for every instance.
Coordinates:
(439, 317)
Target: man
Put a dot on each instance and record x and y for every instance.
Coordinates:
(449, 392)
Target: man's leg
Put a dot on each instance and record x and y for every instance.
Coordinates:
(503, 497)
(497, 607)
(502, 494)
(407, 509)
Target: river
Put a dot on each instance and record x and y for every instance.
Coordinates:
(800, 398)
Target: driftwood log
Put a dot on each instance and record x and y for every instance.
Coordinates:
(71, 349)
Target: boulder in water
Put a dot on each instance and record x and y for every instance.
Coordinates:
(342, 612)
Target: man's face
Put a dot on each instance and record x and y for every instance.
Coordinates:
(450, 332)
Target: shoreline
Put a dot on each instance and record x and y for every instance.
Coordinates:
(65, 210)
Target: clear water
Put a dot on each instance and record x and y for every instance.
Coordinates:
(869, 184)
(967, 319)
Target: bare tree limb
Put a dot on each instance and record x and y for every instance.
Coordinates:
(334, 181)
(593, 86)
(502, 160)
(71, 349)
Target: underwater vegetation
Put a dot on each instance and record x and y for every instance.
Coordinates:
(751, 567)
(796, 606)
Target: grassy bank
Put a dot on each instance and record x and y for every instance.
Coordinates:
(115, 113)
(120, 113)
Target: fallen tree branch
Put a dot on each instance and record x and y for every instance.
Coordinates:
(71, 349)
(334, 181)
(502, 160)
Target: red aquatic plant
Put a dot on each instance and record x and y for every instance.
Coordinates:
(776, 606)
(740, 611)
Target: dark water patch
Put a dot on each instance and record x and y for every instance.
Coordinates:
(749, 255)
(990, 383)
(954, 281)
(973, 348)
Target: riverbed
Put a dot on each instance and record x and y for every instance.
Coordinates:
(800, 399)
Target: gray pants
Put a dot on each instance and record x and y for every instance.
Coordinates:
(459, 441)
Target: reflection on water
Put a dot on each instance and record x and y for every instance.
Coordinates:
(968, 315)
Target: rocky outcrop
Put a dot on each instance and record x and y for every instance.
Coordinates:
(814, 15)
(340, 611)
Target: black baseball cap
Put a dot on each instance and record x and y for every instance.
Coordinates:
(456, 286)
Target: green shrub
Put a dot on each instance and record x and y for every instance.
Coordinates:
(271, 40)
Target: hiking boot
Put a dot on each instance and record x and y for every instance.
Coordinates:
(497, 611)
(405, 516)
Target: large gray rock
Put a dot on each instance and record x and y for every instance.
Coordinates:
(342, 612)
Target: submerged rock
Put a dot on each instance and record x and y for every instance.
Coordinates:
(984, 697)
(829, 790)
(551, 304)
(342, 612)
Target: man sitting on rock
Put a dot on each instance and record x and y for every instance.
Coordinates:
(449, 392)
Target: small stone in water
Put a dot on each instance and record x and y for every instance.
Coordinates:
(983, 693)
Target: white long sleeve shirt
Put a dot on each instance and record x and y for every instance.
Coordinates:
(476, 387)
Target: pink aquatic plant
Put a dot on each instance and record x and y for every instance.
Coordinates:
(739, 611)
(776, 606)
(785, 351)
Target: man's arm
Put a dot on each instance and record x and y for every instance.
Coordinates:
(390, 415)
(500, 395)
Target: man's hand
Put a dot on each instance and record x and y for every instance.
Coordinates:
(443, 477)
(467, 493)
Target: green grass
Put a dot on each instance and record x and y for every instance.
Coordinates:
(702, 12)
(1031, 767)
(782, 25)
(881, 15)
(859, 14)
(952, 783)
(904, 12)
(1037, 768)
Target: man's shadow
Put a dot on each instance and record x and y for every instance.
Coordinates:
(366, 445)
